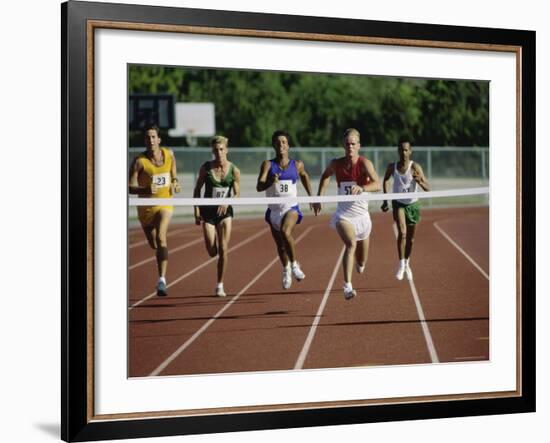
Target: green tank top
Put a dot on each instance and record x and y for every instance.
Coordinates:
(218, 188)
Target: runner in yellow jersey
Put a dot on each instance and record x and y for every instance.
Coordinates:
(153, 175)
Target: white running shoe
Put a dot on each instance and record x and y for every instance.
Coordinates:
(400, 272)
(359, 268)
(297, 272)
(220, 292)
(287, 278)
(408, 272)
(349, 293)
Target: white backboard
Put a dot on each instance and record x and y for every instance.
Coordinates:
(194, 120)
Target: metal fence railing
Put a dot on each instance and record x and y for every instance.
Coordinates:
(445, 167)
(437, 161)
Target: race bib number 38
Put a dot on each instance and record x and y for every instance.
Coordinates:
(285, 188)
(161, 180)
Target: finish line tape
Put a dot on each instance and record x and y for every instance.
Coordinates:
(243, 201)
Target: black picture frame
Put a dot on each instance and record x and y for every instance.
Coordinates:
(78, 422)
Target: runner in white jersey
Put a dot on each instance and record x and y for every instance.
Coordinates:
(355, 174)
(279, 178)
(407, 178)
(404, 182)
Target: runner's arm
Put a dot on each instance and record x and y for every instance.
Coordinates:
(263, 182)
(197, 192)
(323, 183)
(236, 182)
(306, 183)
(385, 184)
(325, 178)
(304, 176)
(419, 177)
(133, 185)
(174, 182)
(200, 182)
(387, 176)
(374, 184)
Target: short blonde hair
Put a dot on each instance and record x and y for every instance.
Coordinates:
(352, 131)
(219, 139)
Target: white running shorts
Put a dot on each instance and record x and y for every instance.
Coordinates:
(275, 217)
(362, 225)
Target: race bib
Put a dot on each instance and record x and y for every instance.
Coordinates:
(161, 180)
(345, 188)
(285, 188)
(220, 192)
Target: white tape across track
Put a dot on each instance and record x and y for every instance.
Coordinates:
(365, 196)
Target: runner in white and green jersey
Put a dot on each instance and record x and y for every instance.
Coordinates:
(407, 177)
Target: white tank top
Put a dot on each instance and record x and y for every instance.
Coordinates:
(404, 183)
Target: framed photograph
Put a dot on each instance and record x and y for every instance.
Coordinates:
(264, 158)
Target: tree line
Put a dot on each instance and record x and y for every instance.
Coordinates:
(316, 108)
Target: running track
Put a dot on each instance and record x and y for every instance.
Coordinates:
(442, 317)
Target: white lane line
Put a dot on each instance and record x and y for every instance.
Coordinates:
(305, 350)
(139, 243)
(204, 327)
(179, 248)
(206, 263)
(176, 231)
(425, 329)
(144, 242)
(470, 259)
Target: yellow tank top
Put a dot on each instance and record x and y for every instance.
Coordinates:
(160, 175)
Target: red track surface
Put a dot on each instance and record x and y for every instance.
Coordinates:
(265, 328)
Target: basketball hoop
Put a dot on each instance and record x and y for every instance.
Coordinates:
(194, 120)
(191, 138)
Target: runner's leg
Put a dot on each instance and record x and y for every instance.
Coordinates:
(162, 222)
(411, 230)
(289, 221)
(150, 234)
(280, 246)
(223, 230)
(362, 252)
(209, 233)
(347, 233)
(399, 218)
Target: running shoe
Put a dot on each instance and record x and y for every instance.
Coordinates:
(400, 272)
(408, 272)
(287, 278)
(297, 272)
(220, 292)
(161, 289)
(359, 268)
(349, 293)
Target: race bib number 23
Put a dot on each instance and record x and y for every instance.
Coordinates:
(161, 180)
